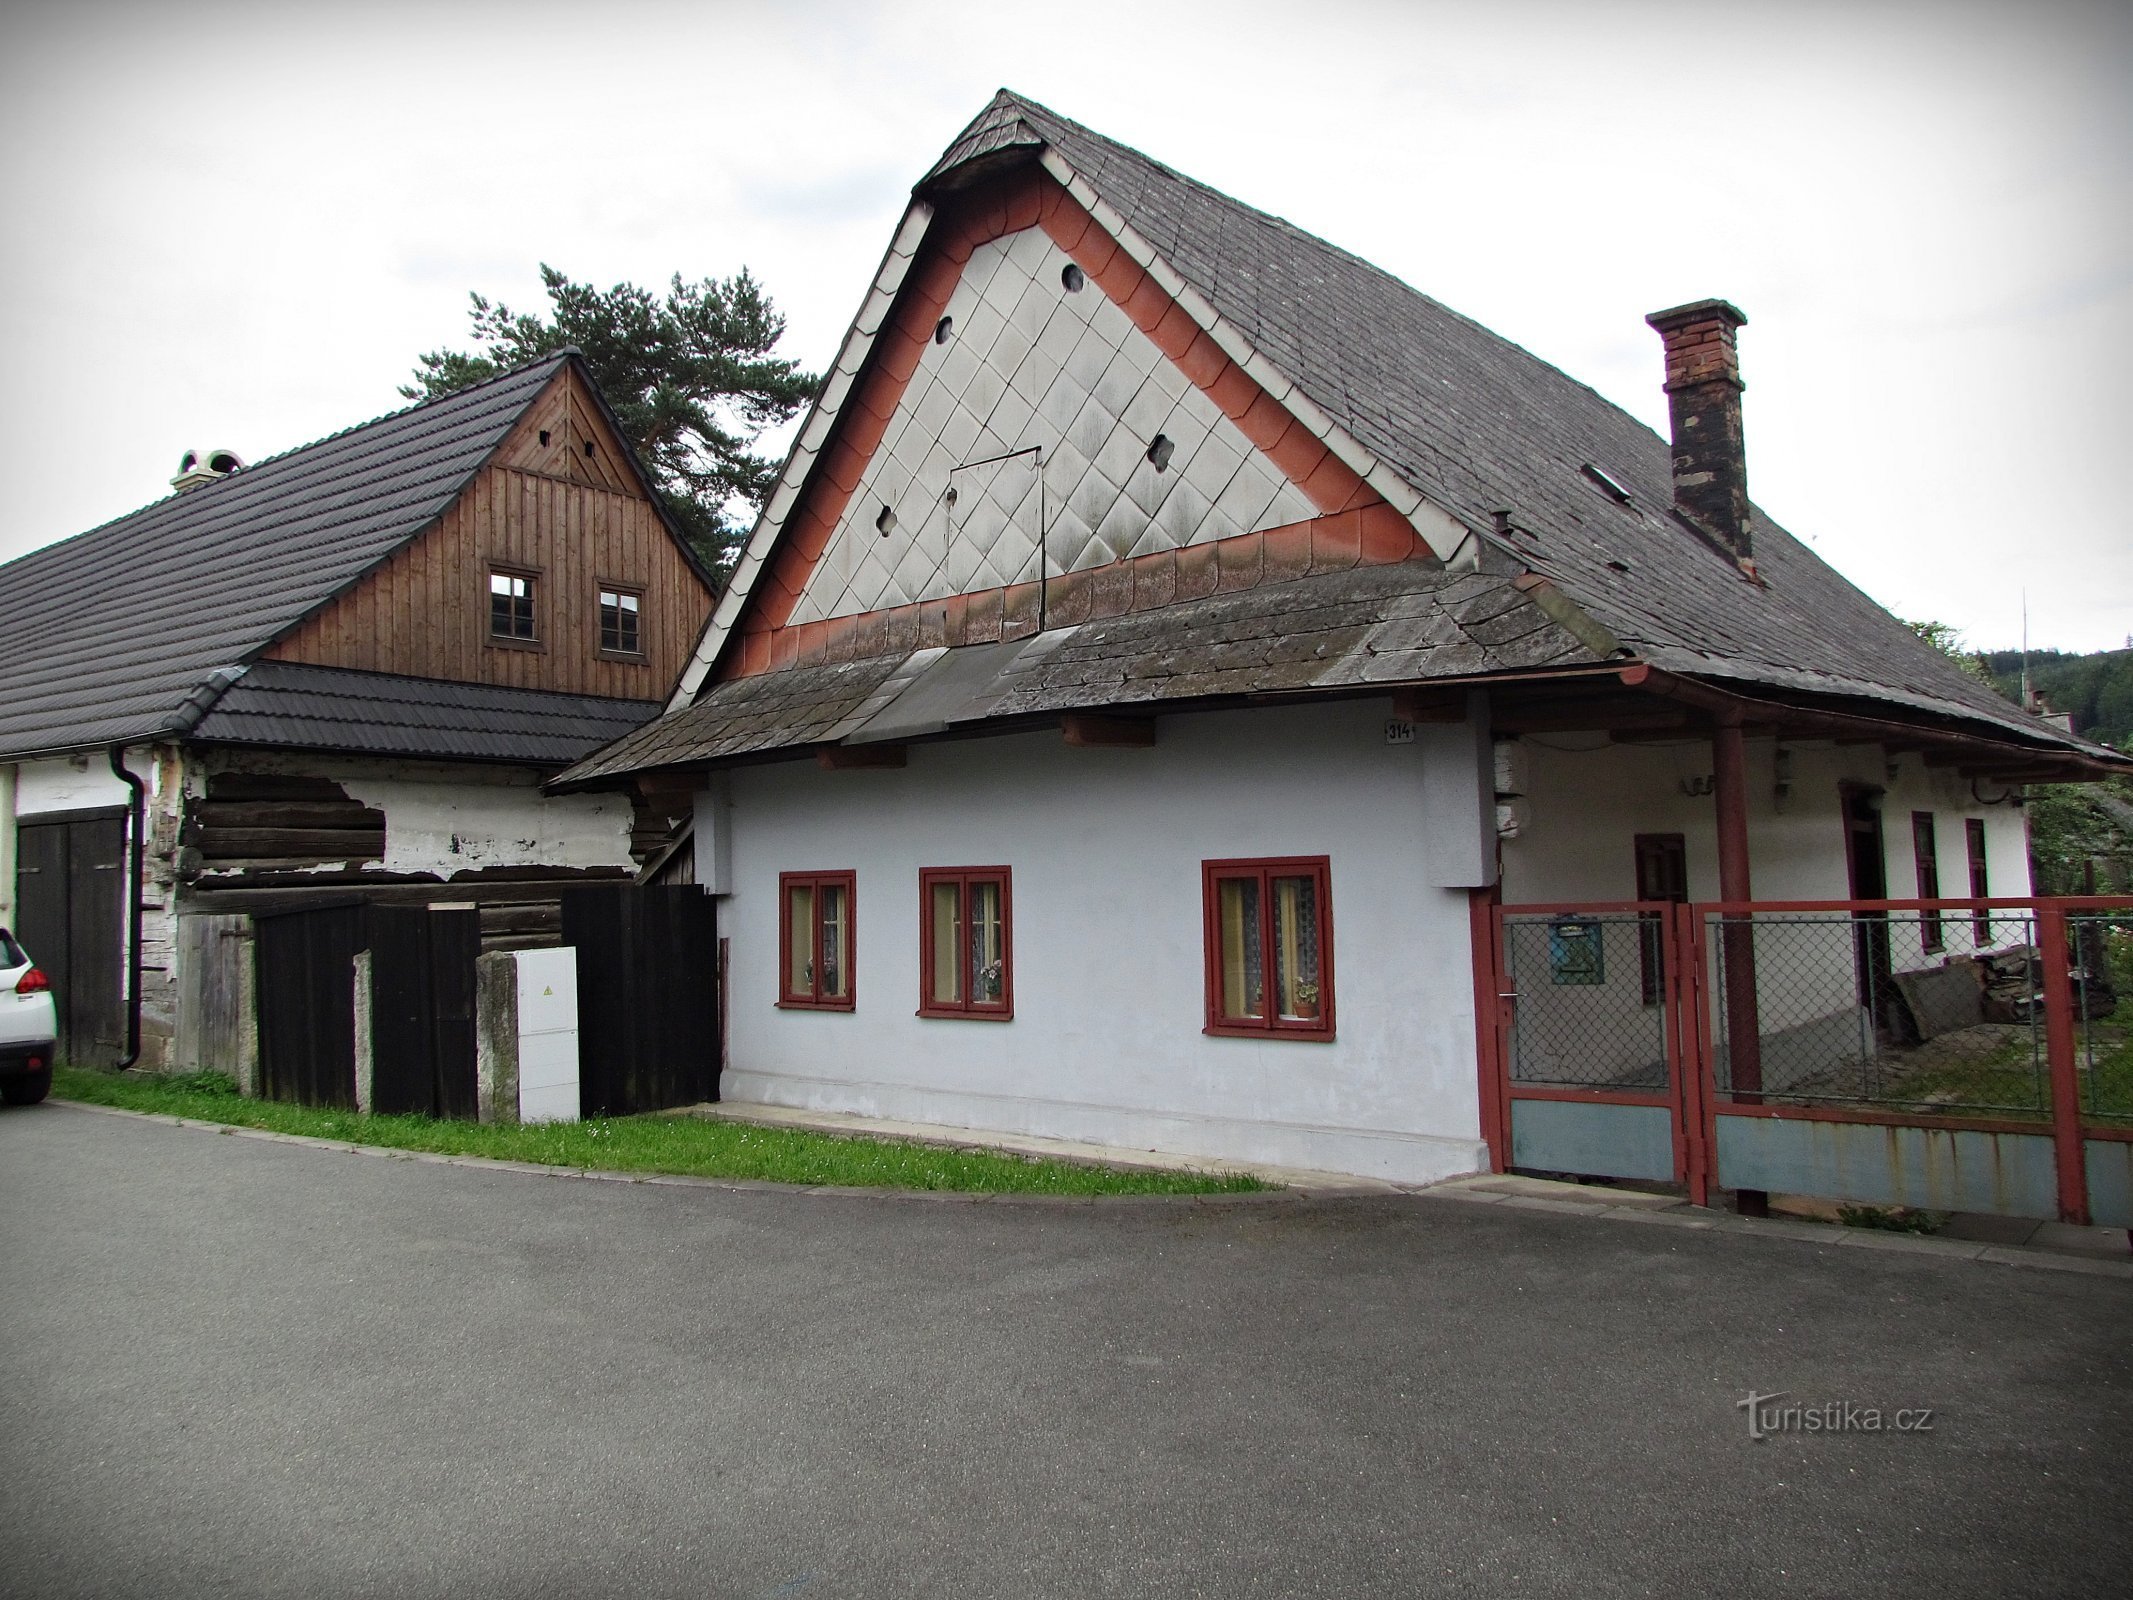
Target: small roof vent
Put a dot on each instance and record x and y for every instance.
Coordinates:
(196, 467)
(1605, 484)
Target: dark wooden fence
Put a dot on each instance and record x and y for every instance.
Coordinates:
(648, 1033)
(422, 1009)
(306, 998)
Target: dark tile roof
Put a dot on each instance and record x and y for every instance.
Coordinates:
(1379, 625)
(1480, 425)
(377, 713)
(109, 633)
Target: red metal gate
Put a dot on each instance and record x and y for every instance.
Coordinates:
(1971, 1055)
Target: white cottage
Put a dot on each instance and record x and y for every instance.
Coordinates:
(1169, 629)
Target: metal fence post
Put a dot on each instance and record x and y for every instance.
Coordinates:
(1482, 907)
(1685, 1000)
(2068, 1154)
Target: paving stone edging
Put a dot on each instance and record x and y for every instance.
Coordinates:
(1453, 1192)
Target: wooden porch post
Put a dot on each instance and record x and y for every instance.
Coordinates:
(1744, 1037)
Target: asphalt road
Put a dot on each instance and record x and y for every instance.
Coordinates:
(240, 1368)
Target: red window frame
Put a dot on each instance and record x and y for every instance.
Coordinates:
(1265, 869)
(1001, 1010)
(1925, 861)
(1974, 839)
(813, 999)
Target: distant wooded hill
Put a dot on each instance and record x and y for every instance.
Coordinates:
(2097, 688)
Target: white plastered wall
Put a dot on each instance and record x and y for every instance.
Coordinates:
(1106, 846)
(1586, 798)
(449, 822)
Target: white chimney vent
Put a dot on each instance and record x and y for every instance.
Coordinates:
(196, 467)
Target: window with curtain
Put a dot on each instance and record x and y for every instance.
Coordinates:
(1980, 887)
(1925, 858)
(815, 928)
(966, 953)
(1269, 947)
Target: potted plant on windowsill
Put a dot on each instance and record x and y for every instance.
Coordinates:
(1306, 1003)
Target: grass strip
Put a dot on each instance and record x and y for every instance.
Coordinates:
(685, 1146)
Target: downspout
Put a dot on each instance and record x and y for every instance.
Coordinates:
(7, 844)
(136, 823)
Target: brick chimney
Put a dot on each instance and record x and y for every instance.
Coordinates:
(1703, 392)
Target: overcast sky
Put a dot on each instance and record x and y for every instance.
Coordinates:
(237, 225)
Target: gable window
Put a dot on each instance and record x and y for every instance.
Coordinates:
(1974, 837)
(1925, 856)
(621, 628)
(1269, 931)
(511, 606)
(815, 944)
(966, 943)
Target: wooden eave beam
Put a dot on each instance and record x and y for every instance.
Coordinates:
(860, 757)
(1942, 748)
(1087, 731)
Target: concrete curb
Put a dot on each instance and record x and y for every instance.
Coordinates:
(1456, 1191)
(1820, 1234)
(723, 1185)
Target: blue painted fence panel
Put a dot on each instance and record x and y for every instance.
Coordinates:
(2110, 1167)
(1938, 1169)
(1599, 1140)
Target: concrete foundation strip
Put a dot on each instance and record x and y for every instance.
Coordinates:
(1455, 1191)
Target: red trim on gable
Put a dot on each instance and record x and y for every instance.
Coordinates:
(1357, 527)
(1374, 536)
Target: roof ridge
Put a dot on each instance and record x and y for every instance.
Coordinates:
(1023, 103)
(564, 353)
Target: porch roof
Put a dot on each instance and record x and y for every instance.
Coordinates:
(1372, 628)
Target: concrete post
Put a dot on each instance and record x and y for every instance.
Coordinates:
(496, 1036)
(365, 1062)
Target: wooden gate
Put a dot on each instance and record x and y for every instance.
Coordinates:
(422, 1009)
(647, 996)
(305, 963)
(71, 889)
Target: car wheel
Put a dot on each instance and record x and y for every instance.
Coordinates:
(26, 1088)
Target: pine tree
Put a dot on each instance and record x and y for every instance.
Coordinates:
(693, 380)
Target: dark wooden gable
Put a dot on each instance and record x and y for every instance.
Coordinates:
(558, 503)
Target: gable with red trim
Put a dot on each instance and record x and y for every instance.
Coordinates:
(1042, 435)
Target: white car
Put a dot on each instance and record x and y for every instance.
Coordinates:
(29, 1027)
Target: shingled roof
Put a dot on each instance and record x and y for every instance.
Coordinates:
(1480, 428)
(1480, 425)
(1370, 627)
(293, 706)
(119, 633)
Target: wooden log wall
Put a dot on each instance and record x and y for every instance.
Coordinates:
(557, 503)
(280, 820)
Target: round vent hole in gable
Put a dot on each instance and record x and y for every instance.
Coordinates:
(1071, 277)
(1160, 452)
(944, 330)
(886, 522)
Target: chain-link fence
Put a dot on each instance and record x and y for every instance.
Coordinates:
(1918, 1010)
(1590, 1006)
(2100, 945)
